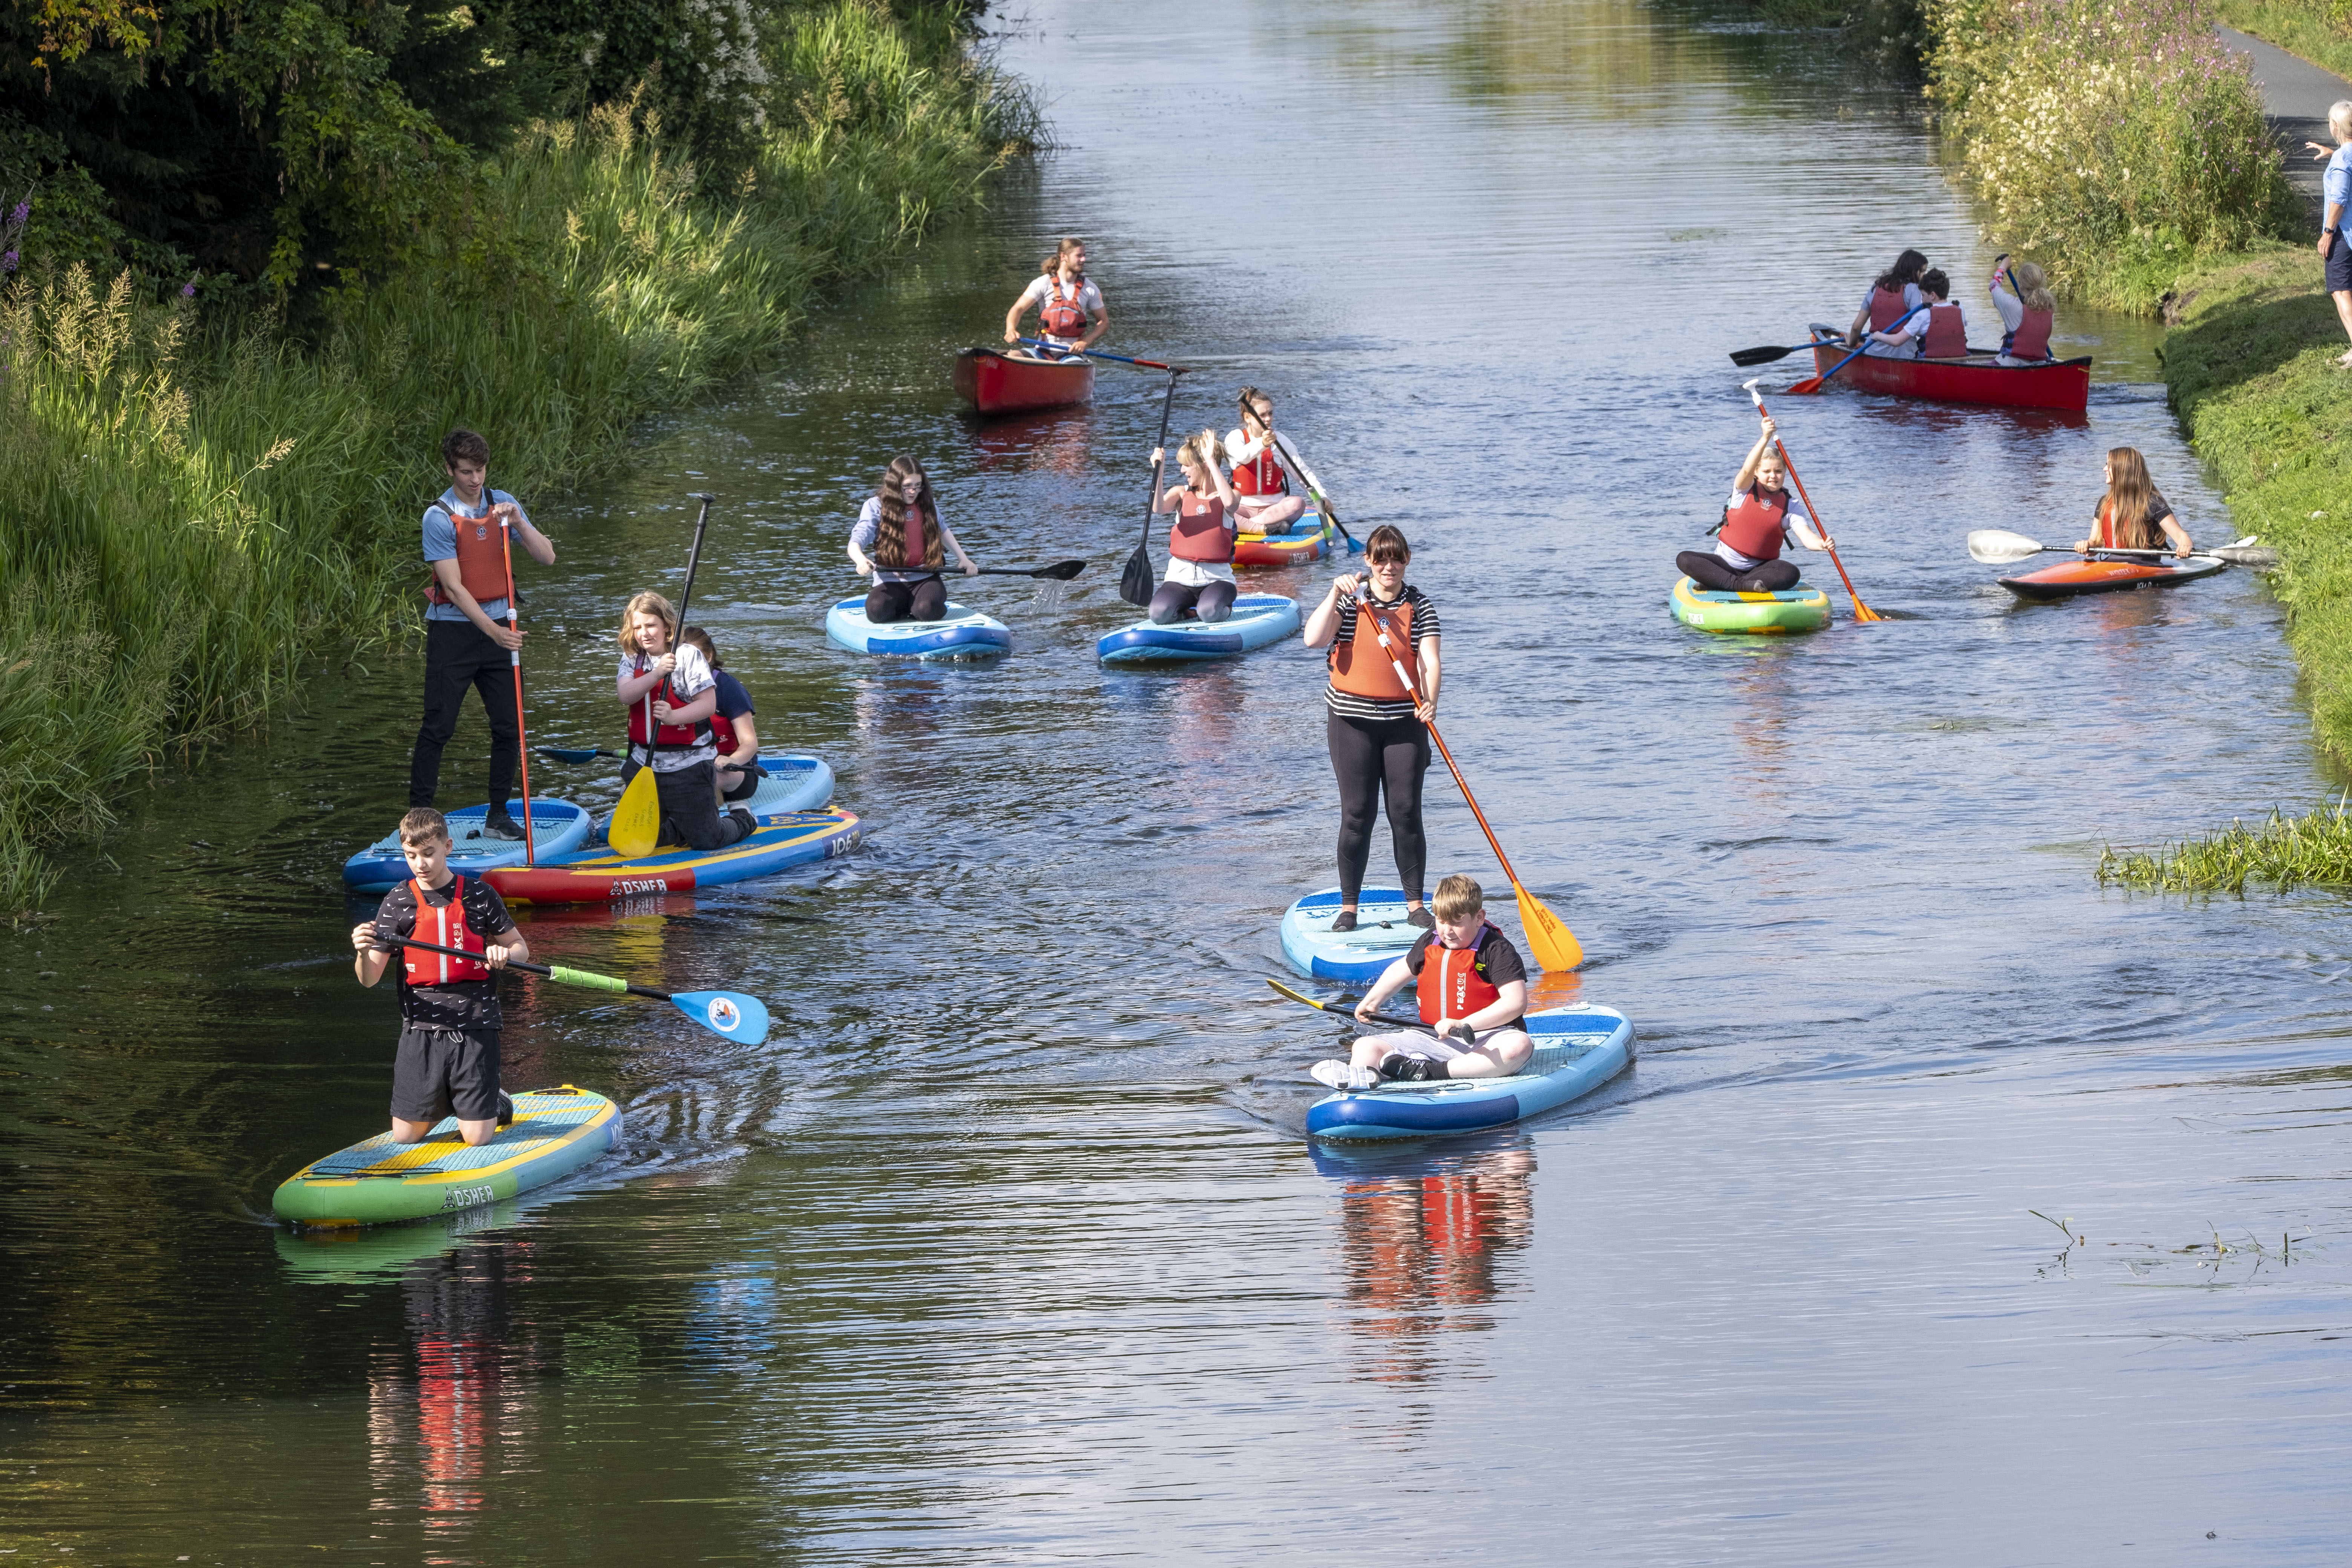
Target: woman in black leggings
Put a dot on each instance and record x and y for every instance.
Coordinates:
(1377, 724)
(1759, 518)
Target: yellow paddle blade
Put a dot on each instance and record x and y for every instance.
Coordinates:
(1555, 948)
(637, 821)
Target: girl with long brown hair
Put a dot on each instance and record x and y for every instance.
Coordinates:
(901, 542)
(1071, 315)
(2134, 514)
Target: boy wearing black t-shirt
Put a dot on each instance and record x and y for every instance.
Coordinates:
(449, 1021)
(1466, 972)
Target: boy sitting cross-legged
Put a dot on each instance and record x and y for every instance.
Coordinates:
(1467, 972)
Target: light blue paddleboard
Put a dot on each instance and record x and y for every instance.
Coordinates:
(962, 633)
(557, 828)
(1257, 619)
(796, 782)
(1359, 956)
(1578, 1049)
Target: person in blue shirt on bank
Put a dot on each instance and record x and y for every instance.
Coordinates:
(470, 636)
(2336, 230)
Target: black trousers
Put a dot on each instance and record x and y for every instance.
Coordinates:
(1709, 570)
(458, 655)
(1372, 759)
(923, 600)
(690, 808)
(1212, 601)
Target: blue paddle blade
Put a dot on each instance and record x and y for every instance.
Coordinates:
(727, 1013)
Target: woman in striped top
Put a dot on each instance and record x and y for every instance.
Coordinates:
(1377, 725)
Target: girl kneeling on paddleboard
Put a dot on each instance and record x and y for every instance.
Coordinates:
(734, 727)
(1266, 504)
(1200, 542)
(1376, 726)
(2134, 514)
(1464, 973)
(1759, 519)
(900, 524)
(671, 695)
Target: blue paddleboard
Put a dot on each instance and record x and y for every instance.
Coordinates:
(1257, 619)
(962, 633)
(557, 828)
(1578, 1049)
(1357, 956)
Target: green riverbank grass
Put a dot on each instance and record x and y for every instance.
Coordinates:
(2320, 32)
(194, 513)
(2283, 852)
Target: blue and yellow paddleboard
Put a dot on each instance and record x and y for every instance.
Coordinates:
(379, 1182)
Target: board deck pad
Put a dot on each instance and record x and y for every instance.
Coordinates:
(1358, 957)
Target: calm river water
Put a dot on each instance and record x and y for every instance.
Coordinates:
(1007, 1247)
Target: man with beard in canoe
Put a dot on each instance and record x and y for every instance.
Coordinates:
(1071, 316)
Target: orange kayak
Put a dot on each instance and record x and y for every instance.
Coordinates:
(2107, 574)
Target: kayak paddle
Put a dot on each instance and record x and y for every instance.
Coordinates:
(1098, 353)
(1861, 612)
(1315, 488)
(1556, 948)
(1340, 1009)
(1812, 383)
(1994, 547)
(727, 1013)
(578, 753)
(1134, 583)
(635, 827)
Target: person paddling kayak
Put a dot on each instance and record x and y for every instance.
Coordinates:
(2134, 514)
(1376, 727)
(1895, 296)
(900, 524)
(1465, 973)
(1936, 329)
(1266, 504)
(1760, 518)
(1071, 315)
(1200, 579)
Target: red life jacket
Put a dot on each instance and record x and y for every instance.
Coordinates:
(1886, 310)
(915, 532)
(1948, 334)
(1753, 527)
(666, 737)
(722, 732)
(1060, 312)
(2032, 338)
(1360, 666)
(1261, 475)
(1200, 532)
(1451, 985)
(2111, 538)
(444, 927)
(482, 556)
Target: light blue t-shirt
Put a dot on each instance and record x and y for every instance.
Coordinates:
(441, 545)
(2337, 185)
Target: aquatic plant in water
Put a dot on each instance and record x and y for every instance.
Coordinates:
(2284, 851)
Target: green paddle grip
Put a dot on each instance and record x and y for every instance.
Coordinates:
(563, 976)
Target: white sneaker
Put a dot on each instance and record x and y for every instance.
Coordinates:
(1333, 1073)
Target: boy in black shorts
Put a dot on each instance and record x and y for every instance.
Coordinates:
(448, 1057)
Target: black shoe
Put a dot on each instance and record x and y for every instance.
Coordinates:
(1411, 1069)
(1346, 920)
(1421, 918)
(498, 824)
(749, 823)
(506, 1109)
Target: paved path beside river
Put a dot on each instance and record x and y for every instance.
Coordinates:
(2296, 95)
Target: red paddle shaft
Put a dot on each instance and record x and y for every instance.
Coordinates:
(514, 623)
(1861, 612)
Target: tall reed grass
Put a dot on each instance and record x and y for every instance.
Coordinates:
(2116, 142)
(191, 509)
(2283, 852)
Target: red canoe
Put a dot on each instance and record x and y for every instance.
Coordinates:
(2108, 575)
(996, 383)
(2061, 384)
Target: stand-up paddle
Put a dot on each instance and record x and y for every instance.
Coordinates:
(1060, 571)
(578, 753)
(1995, 547)
(727, 1013)
(635, 827)
(1861, 612)
(522, 737)
(1134, 583)
(1313, 487)
(1341, 1010)
(1556, 947)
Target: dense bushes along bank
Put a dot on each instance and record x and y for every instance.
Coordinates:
(195, 501)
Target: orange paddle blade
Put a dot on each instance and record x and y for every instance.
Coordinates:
(1556, 948)
(1811, 384)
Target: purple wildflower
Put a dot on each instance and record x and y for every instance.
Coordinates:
(188, 290)
(8, 261)
(23, 211)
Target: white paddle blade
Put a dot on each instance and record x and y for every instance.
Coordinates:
(1994, 547)
(2261, 557)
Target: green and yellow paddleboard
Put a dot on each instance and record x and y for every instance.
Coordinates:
(379, 1182)
(1798, 609)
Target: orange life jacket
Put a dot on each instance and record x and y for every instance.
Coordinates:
(1060, 312)
(1947, 333)
(444, 927)
(916, 530)
(1200, 532)
(481, 555)
(1753, 527)
(1886, 310)
(1261, 475)
(666, 737)
(1360, 666)
(2032, 338)
(1451, 985)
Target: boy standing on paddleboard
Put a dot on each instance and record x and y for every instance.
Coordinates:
(450, 1019)
(471, 634)
(1465, 973)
